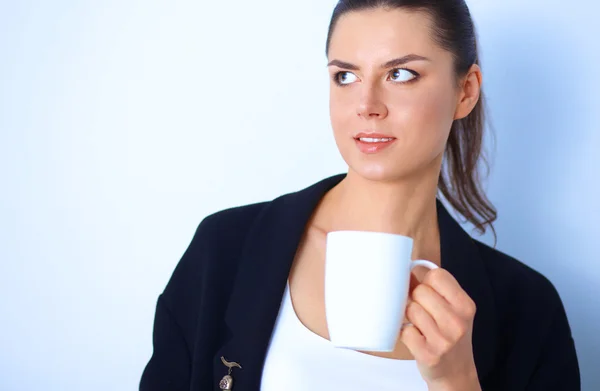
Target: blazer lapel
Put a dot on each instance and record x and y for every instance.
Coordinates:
(262, 275)
(265, 265)
(461, 257)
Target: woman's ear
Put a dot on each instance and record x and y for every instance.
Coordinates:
(469, 92)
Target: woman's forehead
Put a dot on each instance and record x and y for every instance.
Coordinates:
(382, 33)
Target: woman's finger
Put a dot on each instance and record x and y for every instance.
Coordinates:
(412, 338)
(424, 322)
(446, 286)
(443, 314)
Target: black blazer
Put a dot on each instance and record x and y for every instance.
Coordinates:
(224, 296)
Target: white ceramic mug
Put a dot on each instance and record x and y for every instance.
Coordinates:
(367, 277)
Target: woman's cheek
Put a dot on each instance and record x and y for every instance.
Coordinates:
(420, 127)
(435, 114)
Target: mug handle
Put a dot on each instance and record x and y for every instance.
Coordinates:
(420, 262)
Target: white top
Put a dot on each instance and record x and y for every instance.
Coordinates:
(300, 360)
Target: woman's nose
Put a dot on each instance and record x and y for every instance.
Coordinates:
(371, 106)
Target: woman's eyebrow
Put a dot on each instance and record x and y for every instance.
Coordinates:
(392, 63)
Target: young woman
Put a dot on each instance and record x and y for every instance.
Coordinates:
(407, 113)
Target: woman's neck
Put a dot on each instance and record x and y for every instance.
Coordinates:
(406, 207)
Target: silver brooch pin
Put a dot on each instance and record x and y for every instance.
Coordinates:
(226, 382)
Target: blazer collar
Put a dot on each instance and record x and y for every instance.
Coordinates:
(266, 262)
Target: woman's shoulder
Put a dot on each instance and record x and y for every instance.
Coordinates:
(228, 224)
(220, 234)
(211, 256)
(519, 289)
(512, 273)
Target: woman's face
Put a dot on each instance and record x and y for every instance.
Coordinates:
(412, 100)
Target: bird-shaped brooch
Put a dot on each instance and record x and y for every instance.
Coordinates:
(226, 382)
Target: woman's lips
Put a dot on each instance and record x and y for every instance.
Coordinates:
(371, 147)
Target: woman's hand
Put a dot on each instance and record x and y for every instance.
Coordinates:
(439, 338)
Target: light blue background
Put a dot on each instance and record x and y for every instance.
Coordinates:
(123, 123)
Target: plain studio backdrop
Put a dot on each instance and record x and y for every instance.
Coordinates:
(124, 123)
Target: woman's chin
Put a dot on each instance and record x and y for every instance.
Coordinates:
(376, 173)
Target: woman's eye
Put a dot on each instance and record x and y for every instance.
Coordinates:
(402, 75)
(344, 78)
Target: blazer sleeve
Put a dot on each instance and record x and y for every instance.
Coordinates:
(557, 368)
(169, 366)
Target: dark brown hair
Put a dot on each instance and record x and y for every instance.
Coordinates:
(454, 31)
